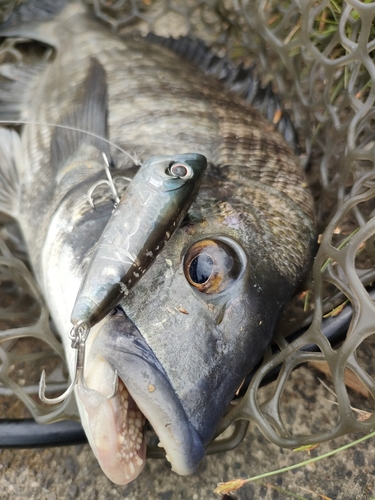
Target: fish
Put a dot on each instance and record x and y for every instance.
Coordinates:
(185, 336)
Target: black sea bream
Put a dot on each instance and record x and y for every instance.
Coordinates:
(202, 316)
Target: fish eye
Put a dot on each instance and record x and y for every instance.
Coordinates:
(211, 266)
(180, 170)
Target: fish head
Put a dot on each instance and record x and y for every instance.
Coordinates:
(190, 330)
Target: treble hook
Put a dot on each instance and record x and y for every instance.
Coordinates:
(108, 182)
(78, 335)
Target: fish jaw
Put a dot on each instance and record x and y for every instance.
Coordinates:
(149, 394)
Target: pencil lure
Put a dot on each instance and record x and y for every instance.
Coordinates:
(145, 218)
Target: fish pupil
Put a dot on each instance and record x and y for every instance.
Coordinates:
(201, 268)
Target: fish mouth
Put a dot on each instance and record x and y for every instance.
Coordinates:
(116, 424)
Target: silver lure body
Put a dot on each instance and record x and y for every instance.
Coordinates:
(146, 217)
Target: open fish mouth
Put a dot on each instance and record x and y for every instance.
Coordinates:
(116, 425)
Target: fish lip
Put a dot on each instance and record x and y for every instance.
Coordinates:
(183, 445)
(129, 354)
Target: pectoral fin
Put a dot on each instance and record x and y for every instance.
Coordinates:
(87, 113)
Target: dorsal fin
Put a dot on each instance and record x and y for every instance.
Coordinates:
(237, 78)
(88, 112)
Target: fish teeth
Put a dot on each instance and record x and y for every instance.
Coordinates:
(130, 437)
(131, 468)
(138, 423)
(138, 460)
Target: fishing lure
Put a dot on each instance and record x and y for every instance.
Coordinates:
(145, 218)
(152, 208)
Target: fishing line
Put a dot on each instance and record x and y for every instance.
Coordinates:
(74, 129)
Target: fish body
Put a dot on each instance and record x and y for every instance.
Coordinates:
(203, 314)
(145, 218)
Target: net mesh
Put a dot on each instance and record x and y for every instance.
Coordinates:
(319, 54)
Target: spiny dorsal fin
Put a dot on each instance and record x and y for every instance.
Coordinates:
(11, 166)
(89, 113)
(237, 78)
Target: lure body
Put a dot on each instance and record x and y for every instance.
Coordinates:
(150, 211)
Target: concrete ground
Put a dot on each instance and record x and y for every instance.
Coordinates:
(73, 473)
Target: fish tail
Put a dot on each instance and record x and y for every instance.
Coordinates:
(15, 86)
(30, 11)
(36, 20)
(11, 163)
(30, 19)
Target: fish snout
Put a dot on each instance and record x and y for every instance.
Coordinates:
(149, 392)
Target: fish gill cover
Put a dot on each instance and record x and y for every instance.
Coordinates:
(319, 54)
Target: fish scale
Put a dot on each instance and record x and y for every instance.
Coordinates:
(180, 346)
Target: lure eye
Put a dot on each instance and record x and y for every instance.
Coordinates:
(211, 266)
(180, 170)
